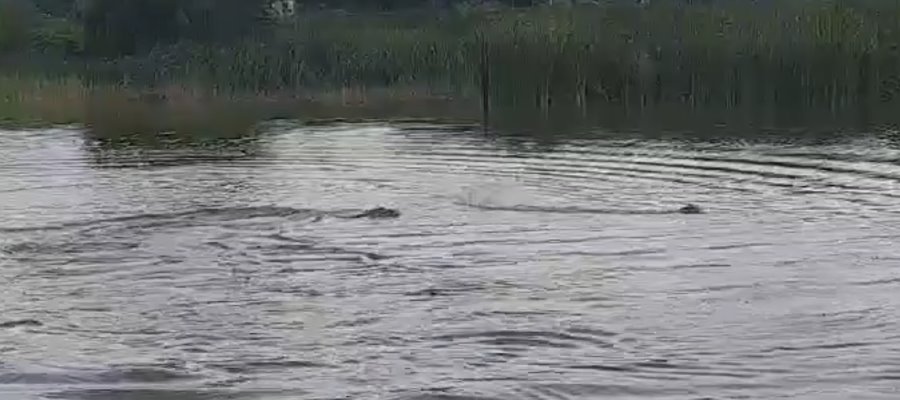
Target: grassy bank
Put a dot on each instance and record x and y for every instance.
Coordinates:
(197, 112)
(822, 54)
(34, 101)
(793, 62)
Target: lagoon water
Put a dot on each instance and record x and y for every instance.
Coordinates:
(217, 270)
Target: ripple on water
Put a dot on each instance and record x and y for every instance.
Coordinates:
(562, 272)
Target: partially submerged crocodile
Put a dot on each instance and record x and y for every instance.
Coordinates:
(377, 213)
(690, 209)
(21, 322)
(686, 209)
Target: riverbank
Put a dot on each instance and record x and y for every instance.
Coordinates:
(116, 110)
(197, 113)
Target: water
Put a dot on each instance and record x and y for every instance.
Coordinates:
(518, 269)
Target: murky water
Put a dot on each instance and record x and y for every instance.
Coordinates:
(516, 270)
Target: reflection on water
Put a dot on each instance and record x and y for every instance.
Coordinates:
(519, 268)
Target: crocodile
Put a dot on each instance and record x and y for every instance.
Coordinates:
(690, 209)
(18, 323)
(377, 213)
(686, 209)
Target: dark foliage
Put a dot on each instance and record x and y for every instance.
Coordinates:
(128, 27)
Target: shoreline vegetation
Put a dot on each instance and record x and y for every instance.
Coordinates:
(30, 102)
(669, 64)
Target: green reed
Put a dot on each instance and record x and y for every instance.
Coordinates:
(30, 100)
(831, 55)
(791, 61)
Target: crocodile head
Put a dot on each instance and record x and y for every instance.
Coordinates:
(379, 212)
(690, 209)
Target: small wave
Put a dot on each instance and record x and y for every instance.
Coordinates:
(257, 366)
(148, 393)
(529, 339)
(565, 391)
(443, 396)
(285, 248)
(148, 374)
(221, 214)
(876, 282)
(81, 247)
(816, 347)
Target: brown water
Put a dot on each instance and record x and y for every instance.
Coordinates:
(517, 270)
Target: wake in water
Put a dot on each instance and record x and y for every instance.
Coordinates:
(687, 209)
(218, 215)
(213, 292)
(491, 198)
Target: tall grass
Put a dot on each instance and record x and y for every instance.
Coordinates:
(191, 114)
(784, 62)
(30, 100)
(780, 61)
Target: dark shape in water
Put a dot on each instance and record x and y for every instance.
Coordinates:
(21, 322)
(378, 212)
(687, 209)
(690, 209)
(207, 215)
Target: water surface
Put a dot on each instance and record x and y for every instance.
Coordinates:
(518, 269)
